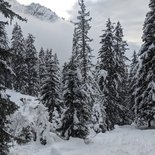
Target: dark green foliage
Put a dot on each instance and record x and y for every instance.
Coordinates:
(107, 84)
(112, 74)
(81, 41)
(42, 67)
(7, 12)
(6, 109)
(120, 47)
(5, 56)
(145, 75)
(77, 114)
(50, 88)
(25, 135)
(131, 84)
(18, 60)
(31, 63)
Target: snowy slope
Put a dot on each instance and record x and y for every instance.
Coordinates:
(125, 140)
(35, 10)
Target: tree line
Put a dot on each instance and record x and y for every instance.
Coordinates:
(83, 96)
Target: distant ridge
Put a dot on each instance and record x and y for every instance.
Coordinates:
(34, 9)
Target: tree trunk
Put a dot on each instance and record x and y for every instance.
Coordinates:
(149, 123)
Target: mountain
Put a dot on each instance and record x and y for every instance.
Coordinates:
(49, 30)
(35, 10)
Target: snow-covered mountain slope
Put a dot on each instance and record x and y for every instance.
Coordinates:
(52, 35)
(35, 10)
(41, 12)
(126, 140)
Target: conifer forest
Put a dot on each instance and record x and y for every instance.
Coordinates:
(79, 107)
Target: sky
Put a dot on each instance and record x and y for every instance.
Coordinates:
(61, 7)
(130, 13)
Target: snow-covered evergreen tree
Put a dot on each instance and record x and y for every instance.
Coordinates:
(145, 76)
(77, 115)
(75, 49)
(3, 37)
(18, 61)
(133, 64)
(42, 67)
(30, 123)
(31, 63)
(108, 76)
(41, 125)
(7, 12)
(20, 128)
(131, 84)
(6, 106)
(83, 48)
(4, 46)
(50, 89)
(120, 48)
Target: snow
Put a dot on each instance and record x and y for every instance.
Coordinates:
(126, 140)
(34, 9)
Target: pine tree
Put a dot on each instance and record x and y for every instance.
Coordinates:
(133, 64)
(120, 48)
(82, 56)
(31, 63)
(107, 76)
(77, 115)
(18, 61)
(6, 106)
(105, 72)
(3, 37)
(42, 67)
(82, 40)
(42, 125)
(131, 84)
(50, 89)
(4, 46)
(7, 12)
(145, 75)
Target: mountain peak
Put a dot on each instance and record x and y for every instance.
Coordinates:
(41, 12)
(35, 10)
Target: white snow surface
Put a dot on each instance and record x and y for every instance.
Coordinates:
(126, 140)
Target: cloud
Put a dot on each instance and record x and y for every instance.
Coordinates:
(131, 14)
(57, 36)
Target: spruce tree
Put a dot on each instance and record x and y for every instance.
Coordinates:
(18, 61)
(3, 37)
(131, 84)
(145, 75)
(107, 76)
(42, 67)
(82, 56)
(31, 63)
(7, 12)
(77, 115)
(50, 89)
(83, 48)
(133, 64)
(120, 48)
(4, 46)
(6, 106)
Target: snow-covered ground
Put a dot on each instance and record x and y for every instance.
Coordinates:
(126, 140)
